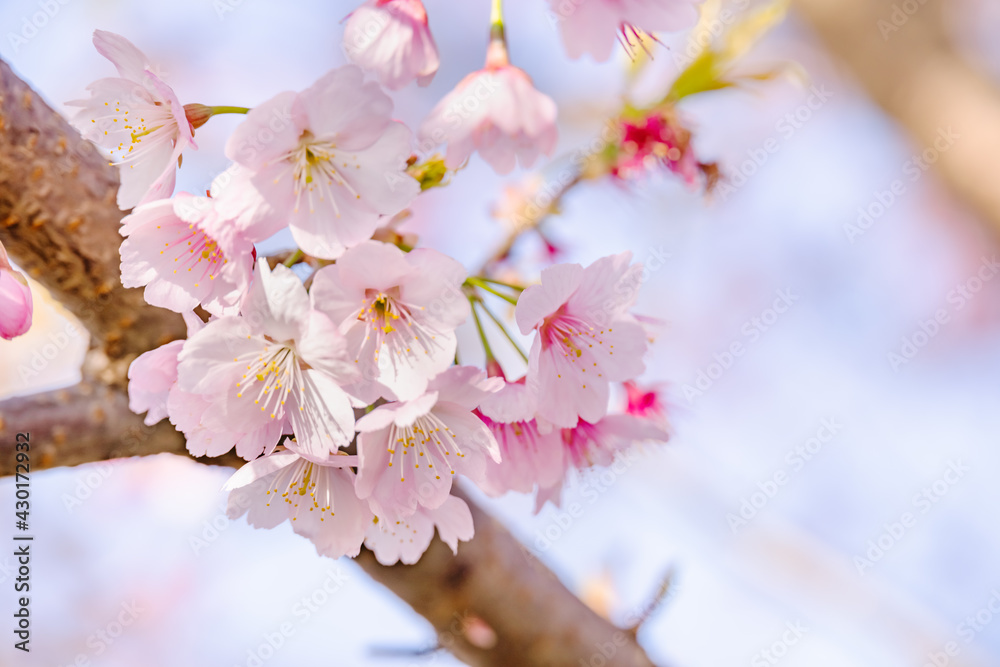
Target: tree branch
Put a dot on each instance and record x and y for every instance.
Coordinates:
(913, 71)
(492, 605)
(59, 222)
(496, 584)
(84, 424)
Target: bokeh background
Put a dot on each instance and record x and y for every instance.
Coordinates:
(141, 551)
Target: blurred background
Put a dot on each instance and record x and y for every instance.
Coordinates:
(830, 496)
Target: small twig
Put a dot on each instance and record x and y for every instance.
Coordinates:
(654, 604)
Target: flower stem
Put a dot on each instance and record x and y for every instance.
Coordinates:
(294, 258)
(225, 109)
(479, 327)
(517, 288)
(486, 287)
(503, 329)
(496, 22)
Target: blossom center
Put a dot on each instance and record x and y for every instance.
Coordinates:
(385, 314)
(195, 252)
(574, 338)
(302, 484)
(269, 378)
(427, 440)
(315, 172)
(138, 128)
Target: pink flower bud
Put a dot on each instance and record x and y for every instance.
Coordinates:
(15, 300)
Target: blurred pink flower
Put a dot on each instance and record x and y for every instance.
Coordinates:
(16, 306)
(529, 458)
(279, 364)
(138, 120)
(498, 112)
(329, 161)
(398, 311)
(605, 444)
(586, 337)
(409, 451)
(317, 499)
(645, 402)
(406, 539)
(391, 38)
(596, 444)
(186, 255)
(593, 26)
(655, 140)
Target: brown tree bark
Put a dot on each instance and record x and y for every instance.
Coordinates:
(60, 223)
(492, 605)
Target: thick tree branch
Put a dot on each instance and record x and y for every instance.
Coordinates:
(913, 71)
(492, 605)
(83, 424)
(59, 222)
(495, 585)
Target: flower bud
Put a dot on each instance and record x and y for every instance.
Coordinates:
(15, 300)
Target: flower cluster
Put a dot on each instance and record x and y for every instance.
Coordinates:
(344, 392)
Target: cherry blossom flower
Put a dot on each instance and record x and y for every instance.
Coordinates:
(154, 373)
(279, 364)
(137, 120)
(604, 443)
(409, 451)
(498, 112)
(185, 254)
(317, 498)
(391, 38)
(405, 540)
(331, 156)
(16, 306)
(529, 457)
(596, 444)
(398, 312)
(153, 387)
(655, 140)
(586, 338)
(593, 26)
(645, 402)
